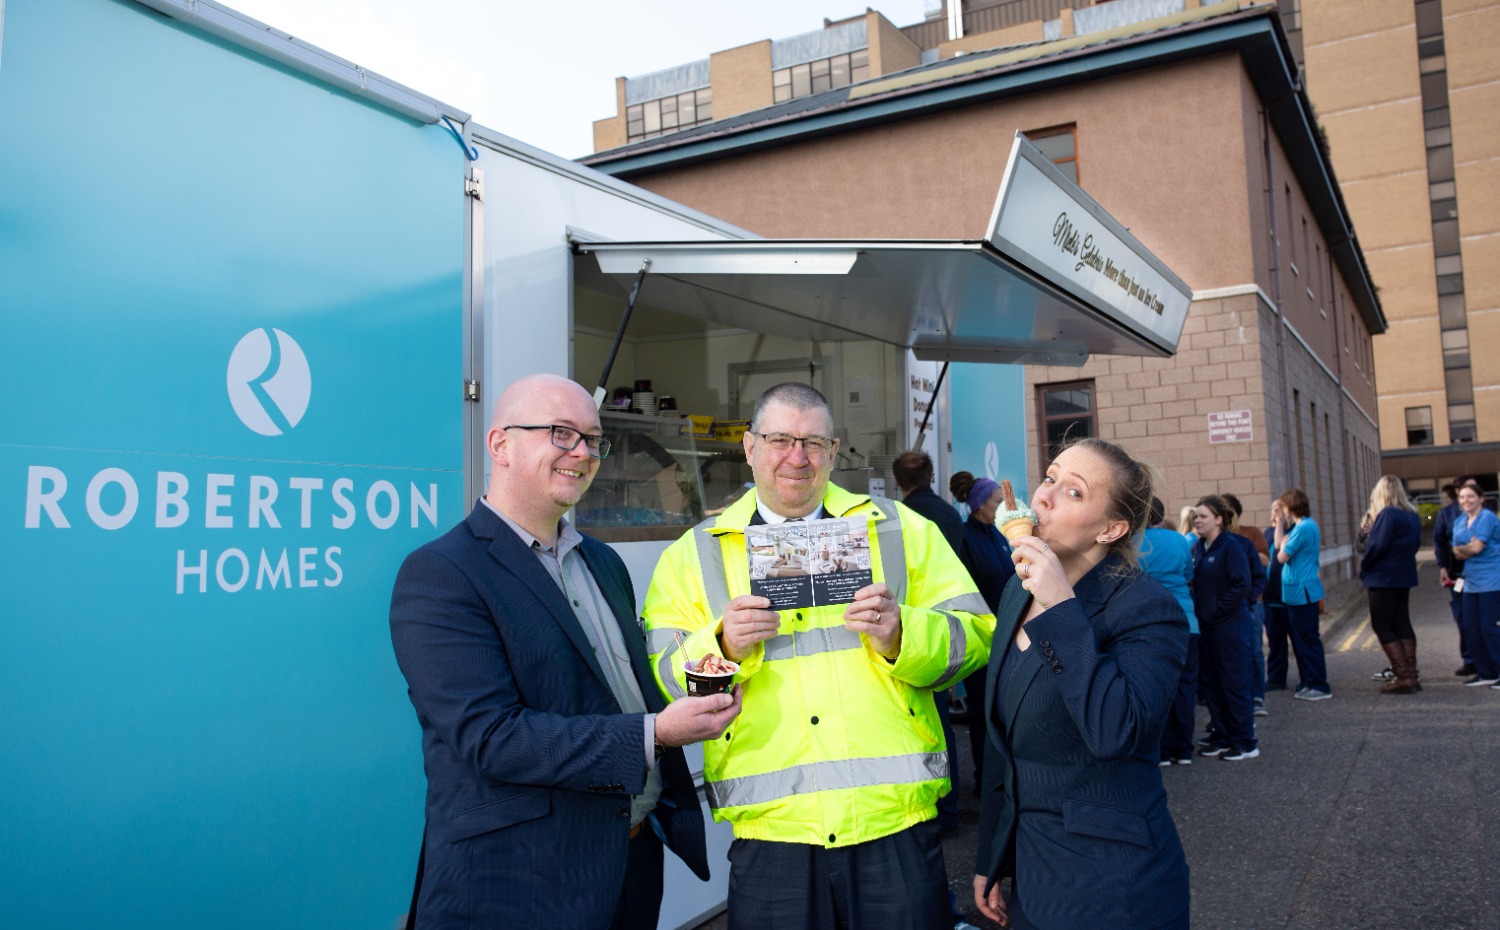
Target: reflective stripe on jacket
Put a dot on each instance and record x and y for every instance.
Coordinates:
(835, 744)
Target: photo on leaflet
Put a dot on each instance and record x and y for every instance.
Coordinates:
(809, 564)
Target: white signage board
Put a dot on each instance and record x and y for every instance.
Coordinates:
(1049, 225)
(1230, 426)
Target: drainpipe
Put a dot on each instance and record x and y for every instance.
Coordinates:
(1338, 354)
(1286, 394)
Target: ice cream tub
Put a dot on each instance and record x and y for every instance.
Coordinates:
(709, 675)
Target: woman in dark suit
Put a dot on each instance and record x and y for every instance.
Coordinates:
(1086, 657)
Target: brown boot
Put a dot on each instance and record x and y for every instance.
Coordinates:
(1410, 646)
(1403, 683)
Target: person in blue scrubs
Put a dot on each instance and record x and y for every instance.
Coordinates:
(1297, 542)
(1167, 557)
(1476, 540)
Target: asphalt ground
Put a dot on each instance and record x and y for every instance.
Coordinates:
(1363, 812)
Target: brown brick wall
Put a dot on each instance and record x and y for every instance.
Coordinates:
(612, 133)
(741, 79)
(890, 49)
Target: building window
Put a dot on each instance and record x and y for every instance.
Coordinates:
(1060, 144)
(1455, 348)
(814, 77)
(1419, 426)
(668, 114)
(1461, 423)
(1067, 414)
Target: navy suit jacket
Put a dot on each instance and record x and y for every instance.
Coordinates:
(1073, 805)
(530, 761)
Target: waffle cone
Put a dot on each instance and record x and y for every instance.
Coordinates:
(1015, 529)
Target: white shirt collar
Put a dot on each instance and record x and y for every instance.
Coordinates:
(772, 517)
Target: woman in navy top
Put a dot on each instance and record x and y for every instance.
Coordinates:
(1388, 571)
(1221, 584)
(984, 552)
(1476, 540)
(986, 555)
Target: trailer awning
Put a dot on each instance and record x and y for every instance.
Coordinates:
(1055, 281)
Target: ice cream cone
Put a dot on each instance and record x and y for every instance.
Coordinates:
(1016, 520)
(1018, 527)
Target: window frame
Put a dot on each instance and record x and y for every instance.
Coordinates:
(1043, 421)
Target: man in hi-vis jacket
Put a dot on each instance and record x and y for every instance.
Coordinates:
(831, 772)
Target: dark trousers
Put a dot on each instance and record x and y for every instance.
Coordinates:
(640, 899)
(947, 805)
(1481, 614)
(897, 882)
(1177, 737)
(1278, 634)
(1390, 614)
(1307, 642)
(1456, 607)
(1225, 669)
(1258, 650)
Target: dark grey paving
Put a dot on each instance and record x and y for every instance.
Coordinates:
(1364, 812)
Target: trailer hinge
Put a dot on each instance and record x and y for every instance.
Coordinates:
(471, 390)
(474, 187)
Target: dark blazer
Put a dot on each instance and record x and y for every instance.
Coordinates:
(1094, 846)
(926, 502)
(1390, 559)
(530, 761)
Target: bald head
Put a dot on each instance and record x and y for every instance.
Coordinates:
(533, 480)
(526, 393)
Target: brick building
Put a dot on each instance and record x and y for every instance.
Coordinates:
(1191, 128)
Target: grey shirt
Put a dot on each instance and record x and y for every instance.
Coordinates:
(566, 567)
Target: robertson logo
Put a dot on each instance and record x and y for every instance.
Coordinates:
(270, 384)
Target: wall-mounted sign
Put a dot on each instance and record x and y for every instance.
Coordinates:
(1065, 236)
(1230, 426)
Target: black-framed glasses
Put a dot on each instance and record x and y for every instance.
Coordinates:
(567, 438)
(812, 445)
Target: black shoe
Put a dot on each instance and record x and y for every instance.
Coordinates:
(1466, 669)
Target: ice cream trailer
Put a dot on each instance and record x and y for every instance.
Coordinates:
(256, 303)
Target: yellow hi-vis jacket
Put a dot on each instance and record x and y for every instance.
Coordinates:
(835, 744)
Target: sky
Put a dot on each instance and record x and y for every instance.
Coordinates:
(543, 71)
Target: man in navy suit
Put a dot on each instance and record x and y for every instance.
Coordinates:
(553, 769)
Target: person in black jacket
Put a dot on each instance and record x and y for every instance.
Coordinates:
(1221, 589)
(1388, 571)
(1451, 568)
(913, 472)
